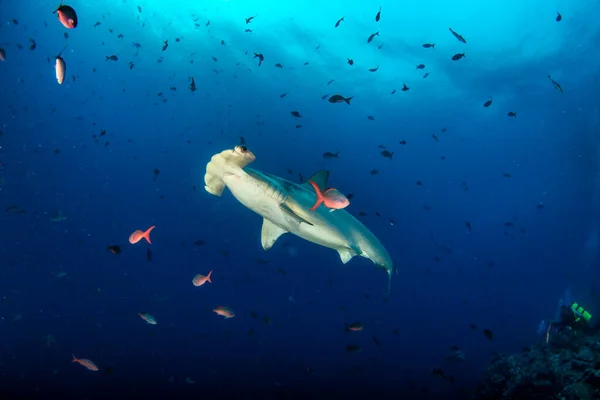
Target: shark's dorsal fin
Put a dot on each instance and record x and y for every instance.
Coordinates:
(293, 215)
(320, 178)
(269, 234)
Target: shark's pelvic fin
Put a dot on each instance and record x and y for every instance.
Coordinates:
(292, 214)
(320, 178)
(346, 254)
(269, 234)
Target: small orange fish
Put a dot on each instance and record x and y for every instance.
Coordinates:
(89, 364)
(115, 249)
(67, 16)
(224, 311)
(139, 235)
(331, 198)
(355, 327)
(200, 279)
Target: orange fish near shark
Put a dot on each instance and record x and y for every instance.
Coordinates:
(224, 312)
(139, 235)
(67, 16)
(200, 279)
(331, 198)
(89, 364)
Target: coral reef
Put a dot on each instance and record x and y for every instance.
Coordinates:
(566, 367)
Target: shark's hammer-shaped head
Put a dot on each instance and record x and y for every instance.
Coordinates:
(227, 162)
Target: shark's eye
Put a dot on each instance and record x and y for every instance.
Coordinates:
(244, 148)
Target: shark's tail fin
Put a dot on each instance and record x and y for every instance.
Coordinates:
(223, 163)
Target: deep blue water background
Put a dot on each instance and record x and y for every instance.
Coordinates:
(502, 278)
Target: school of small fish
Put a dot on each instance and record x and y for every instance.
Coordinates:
(330, 198)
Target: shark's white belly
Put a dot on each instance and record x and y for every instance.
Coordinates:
(323, 234)
(247, 192)
(267, 204)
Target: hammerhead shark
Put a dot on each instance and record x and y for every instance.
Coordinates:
(285, 207)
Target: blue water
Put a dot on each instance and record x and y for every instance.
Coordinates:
(62, 292)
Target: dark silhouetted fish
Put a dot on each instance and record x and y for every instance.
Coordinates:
(387, 154)
(556, 84)
(488, 334)
(338, 98)
(260, 57)
(370, 39)
(457, 36)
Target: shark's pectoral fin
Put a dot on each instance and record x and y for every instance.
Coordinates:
(293, 215)
(269, 234)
